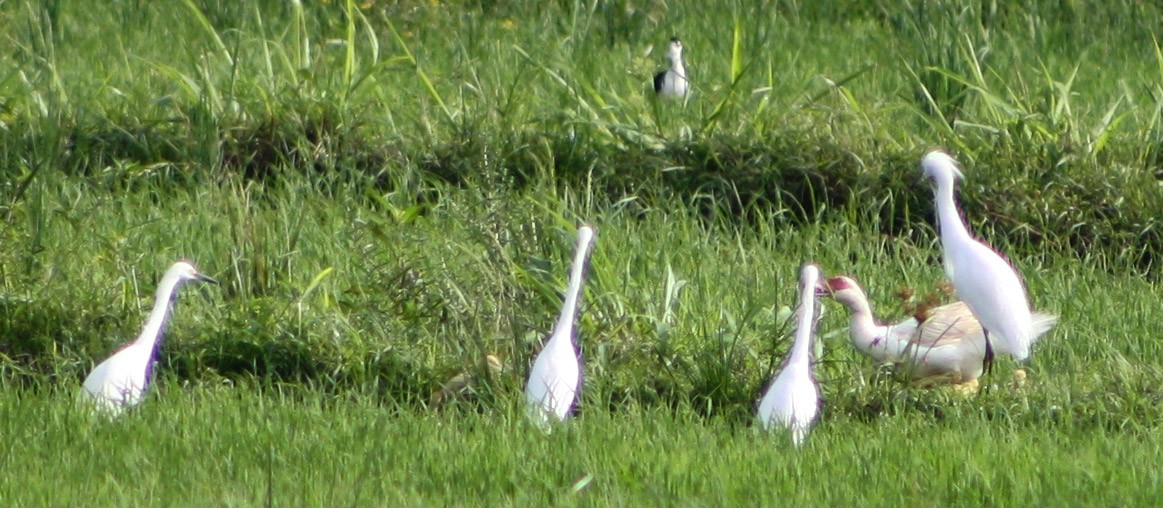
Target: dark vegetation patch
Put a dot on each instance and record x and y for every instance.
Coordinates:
(1019, 197)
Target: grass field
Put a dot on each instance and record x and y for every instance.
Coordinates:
(232, 447)
(389, 192)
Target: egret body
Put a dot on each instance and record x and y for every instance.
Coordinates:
(981, 277)
(673, 81)
(792, 400)
(555, 380)
(122, 379)
(944, 345)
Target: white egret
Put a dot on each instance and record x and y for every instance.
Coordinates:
(792, 400)
(673, 81)
(122, 379)
(981, 277)
(945, 344)
(555, 380)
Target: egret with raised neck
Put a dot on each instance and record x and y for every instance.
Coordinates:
(556, 377)
(981, 277)
(122, 379)
(792, 400)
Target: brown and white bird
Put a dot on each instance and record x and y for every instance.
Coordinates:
(464, 384)
(944, 345)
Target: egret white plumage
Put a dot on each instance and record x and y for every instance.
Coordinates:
(555, 380)
(792, 400)
(981, 277)
(945, 344)
(673, 81)
(122, 379)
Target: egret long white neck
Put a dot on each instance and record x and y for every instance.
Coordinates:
(862, 325)
(801, 348)
(952, 228)
(155, 324)
(585, 237)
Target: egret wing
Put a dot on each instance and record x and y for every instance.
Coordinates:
(991, 288)
(948, 324)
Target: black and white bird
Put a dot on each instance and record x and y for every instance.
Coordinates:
(556, 378)
(673, 81)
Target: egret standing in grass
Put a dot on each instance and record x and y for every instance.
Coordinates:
(981, 277)
(555, 380)
(940, 345)
(792, 400)
(122, 379)
(673, 81)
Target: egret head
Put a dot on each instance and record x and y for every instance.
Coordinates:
(675, 52)
(184, 270)
(941, 167)
(810, 279)
(844, 290)
(585, 236)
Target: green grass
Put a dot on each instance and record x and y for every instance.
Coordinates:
(389, 192)
(246, 447)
